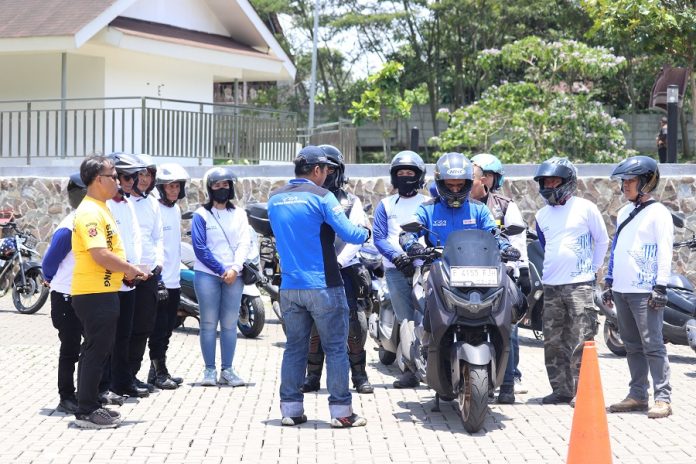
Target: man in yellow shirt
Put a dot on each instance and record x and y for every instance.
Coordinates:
(100, 267)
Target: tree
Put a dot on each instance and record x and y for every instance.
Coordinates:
(552, 112)
(659, 26)
(384, 101)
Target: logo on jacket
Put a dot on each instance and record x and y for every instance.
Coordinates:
(469, 222)
(440, 223)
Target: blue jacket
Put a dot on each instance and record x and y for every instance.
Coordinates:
(305, 219)
(442, 219)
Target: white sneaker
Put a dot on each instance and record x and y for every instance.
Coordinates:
(209, 376)
(230, 377)
(519, 387)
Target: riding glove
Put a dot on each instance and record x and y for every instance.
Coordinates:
(403, 263)
(607, 294)
(510, 254)
(416, 249)
(658, 297)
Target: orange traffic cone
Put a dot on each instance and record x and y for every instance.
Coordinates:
(589, 436)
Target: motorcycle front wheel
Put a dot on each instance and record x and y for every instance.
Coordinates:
(612, 338)
(252, 316)
(31, 297)
(473, 396)
(386, 357)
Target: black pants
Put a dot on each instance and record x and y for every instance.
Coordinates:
(98, 313)
(164, 324)
(117, 373)
(143, 322)
(70, 336)
(662, 154)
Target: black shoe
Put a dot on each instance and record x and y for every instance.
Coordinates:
(311, 384)
(363, 386)
(132, 392)
(98, 419)
(165, 383)
(176, 380)
(67, 405)
(407, 380)
(147, 386)
(554, 398)
(294, 420)
(109, 397)
(507, 394)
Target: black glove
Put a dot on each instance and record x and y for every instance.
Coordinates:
(156, 271)
(403, 263)
(369, 232)
(523, 281)
(416, 249)
(510, 254)
(658, 297)
(162, 292)
(608, 294)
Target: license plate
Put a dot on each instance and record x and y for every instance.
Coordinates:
(474, 276)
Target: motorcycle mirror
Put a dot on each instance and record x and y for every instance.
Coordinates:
(513, 229)
(412, 227)
(187, 215)
(678, 221)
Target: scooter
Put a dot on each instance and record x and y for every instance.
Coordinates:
(535, 298)
(679, 320)
(470, 321)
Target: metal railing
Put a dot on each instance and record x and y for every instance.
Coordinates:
(341, 134)
(70, 128)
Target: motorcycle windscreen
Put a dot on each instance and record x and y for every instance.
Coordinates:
(471, 247)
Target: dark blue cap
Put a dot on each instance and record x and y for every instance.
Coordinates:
(311, 155)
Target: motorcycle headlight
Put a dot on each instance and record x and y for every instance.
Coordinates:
(473, 305)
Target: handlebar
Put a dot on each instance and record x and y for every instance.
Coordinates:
(691, 243)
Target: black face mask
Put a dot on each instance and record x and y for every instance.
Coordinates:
(220, 195)
(330, 182)
(407, 185)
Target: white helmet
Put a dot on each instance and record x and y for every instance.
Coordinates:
(168, 173)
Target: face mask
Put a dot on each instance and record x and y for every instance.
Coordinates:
(407, 185)
(220, 195)
(330, 182)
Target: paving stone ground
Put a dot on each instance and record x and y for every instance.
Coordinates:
(223, 424)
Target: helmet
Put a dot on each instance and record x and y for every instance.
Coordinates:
(557, 167)
(490, 163)
(453, 166)
(167, 174)
(128, 165)
(8, 247)
(151, 166)
(643, 167)
(217, 174)
(312, 155)
(407, 160)
(76, 190)
(336, 180)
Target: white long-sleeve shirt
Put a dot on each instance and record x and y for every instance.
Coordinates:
(220, 239)
(150, 218)
(575, 241)
(171, 230)
(642, 254)
(129, 231)
(348, 255)
(390, 213)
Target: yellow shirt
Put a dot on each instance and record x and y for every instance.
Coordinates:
(94, 227)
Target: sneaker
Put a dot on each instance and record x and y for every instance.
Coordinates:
(506, 395)
(98, 419)
(67, 406)
(114, 414)
(555, 398)
(350, 421)
(520, 389)
(629, 404)
(209, 378)
(659, 410)
(229, 377)
(294, 420)
(407, 380)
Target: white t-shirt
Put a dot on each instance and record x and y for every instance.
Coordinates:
(642, 255)
(171, 228)
(576, 241)
(129, 231)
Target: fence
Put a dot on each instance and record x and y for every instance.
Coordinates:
(31, 130)
(341, 134)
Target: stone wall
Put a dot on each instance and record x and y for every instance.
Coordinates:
(42, 202)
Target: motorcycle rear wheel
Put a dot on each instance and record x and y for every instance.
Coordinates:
(256, 316)
(473, 396)
(386, 357)
(33, 296)
(612, 338)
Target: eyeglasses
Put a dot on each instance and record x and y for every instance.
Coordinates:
(332, 169)
(129, 177)
(113, 176)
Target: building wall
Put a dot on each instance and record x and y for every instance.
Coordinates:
(188, 14)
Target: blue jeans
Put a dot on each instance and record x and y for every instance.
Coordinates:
(400, 290)
(327, 308)
(511, 371)
(219, 303)
(641, 332)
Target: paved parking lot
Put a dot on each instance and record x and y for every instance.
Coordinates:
(211, 424)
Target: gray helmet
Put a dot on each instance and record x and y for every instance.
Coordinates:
(408, 159)
(128, 165)
(336, 180)
(557, 167)
(169, 173)
(642, 167)
(217, 174)
(453, 166)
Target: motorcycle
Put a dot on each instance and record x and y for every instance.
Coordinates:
(252, 313)
(470, 322)
(27, 283)
(535, 298)
(679, 320)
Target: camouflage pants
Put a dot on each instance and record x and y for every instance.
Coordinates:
(569, 319)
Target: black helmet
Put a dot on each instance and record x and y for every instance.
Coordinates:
(169, 173)
(336, 180)
(127, 164)
(76, 190)
(151, 166)
(643, 167)
(217, 174)
(453, 166)
(407, 160)
(557, 167)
